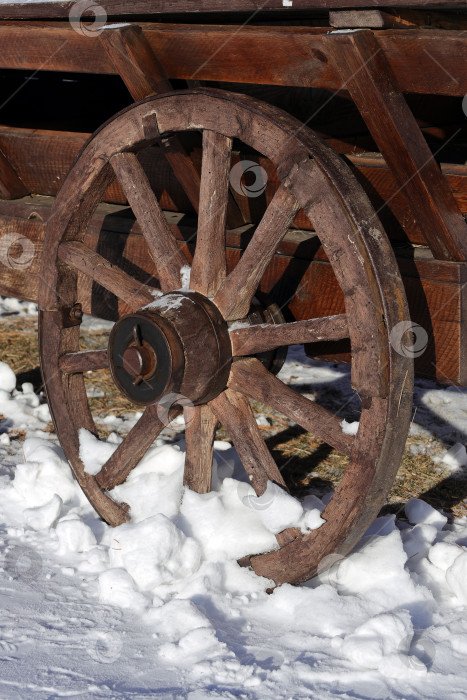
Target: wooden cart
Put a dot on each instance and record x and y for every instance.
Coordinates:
(215, 228)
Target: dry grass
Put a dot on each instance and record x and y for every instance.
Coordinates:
(304, 460)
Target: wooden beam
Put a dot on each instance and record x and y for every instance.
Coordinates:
(433, 62)
(415, 262)
(42, 158)
(134, 61)
(123, 8)
(11, 186)
(54, 152)
(144, 76)
(367, 75)
(436, 290)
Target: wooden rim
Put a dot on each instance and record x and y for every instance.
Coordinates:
(312, 178)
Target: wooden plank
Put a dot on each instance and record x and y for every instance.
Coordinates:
(434, 305)
(200, 430)
(436, 290)
(20, 280)
(144, 76)
(100, 270)
(134, 61)
(234, 412)
(42, 158)
(209, 263)
(368, 76)
(433, 62)
(415, 262)
(122, 8)
(252, 379)
(268, 336)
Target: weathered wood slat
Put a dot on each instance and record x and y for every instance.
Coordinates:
(434, 305)
(134, 61)
(425, 62)
(264, 337)
(100, 270)
(234, 412)
(132, 449)
(84, 361)
(373, 86)
(235, 295)
(143, 75)
(435, 289)
(42, 159)
(121, 8)
(200, 428)
(396, 19)
(251, 378)
(209, 262)
(415, 262)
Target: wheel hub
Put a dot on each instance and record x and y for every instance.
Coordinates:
(139, 362)
(177, 345)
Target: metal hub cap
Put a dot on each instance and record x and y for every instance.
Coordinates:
(179, 344)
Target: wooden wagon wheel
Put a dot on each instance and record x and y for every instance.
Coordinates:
(153, 349)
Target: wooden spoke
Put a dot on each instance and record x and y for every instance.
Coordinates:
(235, 414)
(268, 336)
(93, 265)
(200, 428)
(251, 378)
(84, 361)
(133, 448)
(167, 256)
(209, 263)
(235, 295)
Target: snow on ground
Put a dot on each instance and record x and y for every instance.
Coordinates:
(159, 607)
